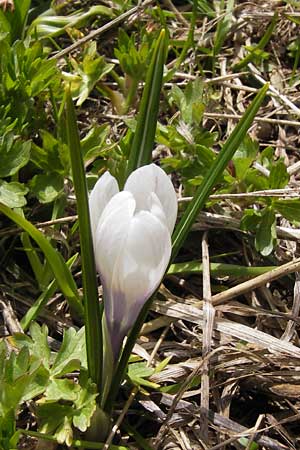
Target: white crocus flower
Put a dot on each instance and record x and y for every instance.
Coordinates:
(132, 242)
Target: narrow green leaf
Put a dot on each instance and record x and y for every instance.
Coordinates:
(260, 46)
(33, 258)
(38, 305)
(216, 171)
(218, 269)
(223, 26)
(141, 442)
(90, 287)
(144, 135)
(59, 268)
(75, 442)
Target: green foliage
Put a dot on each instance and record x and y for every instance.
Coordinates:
(94, 143)
(87, 73)
(23, 377)
(245, 443)
(219, 165)
(34, 371)
(14, 154)
(190, 102)
(12, 194)
(26, 77)
(36, 167)
(190, 144)
(133, 60)
(262, 222)
(47, 293)
(139, 372)
(56, 262)
(265, 238)
(49, 24)
(289, 208)
(93, 313)
(204, 7)
(52, 155)
(244, 157)
(294, 53)
(224, 26)
(257, 53)
(67, 404)
(142, 144)
(47, 187)
(14, 22)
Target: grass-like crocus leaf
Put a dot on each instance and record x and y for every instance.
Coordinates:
(218, 269)
(35, 262)
(223, 26)
(59, 268)
(39, 304)
(75, 443)
(90, 287)
(218, 167)
(141, 150)
(256, 51)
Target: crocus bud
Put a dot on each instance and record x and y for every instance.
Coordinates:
(132, 242)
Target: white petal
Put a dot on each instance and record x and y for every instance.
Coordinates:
(132, 254)
(111, 233)
(105, 188)
(139, 268)
(152, 178)
(155, 207)
(111, 237)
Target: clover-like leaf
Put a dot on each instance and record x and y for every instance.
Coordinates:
(14, 154)
(265, 239)
(72, 353)
(37, 344)
(62, 389)
(47, 187)
(85, 404)
(13, 194)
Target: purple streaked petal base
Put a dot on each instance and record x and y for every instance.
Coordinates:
(118, 319)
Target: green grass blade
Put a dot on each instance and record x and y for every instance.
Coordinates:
(59, 268)
(141, 150)
(260, 46)
(33, 258)
(75, 443)
(223, 27)
(38, 305)
(90, 286)
(218, 269)
(218, 167)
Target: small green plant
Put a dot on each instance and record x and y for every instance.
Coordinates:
(86, 73)
(31, 371)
